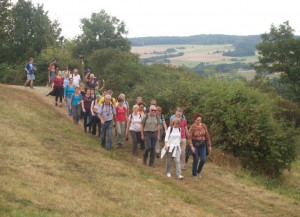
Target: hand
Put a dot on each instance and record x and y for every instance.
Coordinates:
(114, 124)
(166, 147)
(143, 137)
(193, 149)
(84, 110)
(103, 80)
(209, 148)
(102, 122)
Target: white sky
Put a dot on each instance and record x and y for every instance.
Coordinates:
(179, 17)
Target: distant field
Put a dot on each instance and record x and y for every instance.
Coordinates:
(194, 54)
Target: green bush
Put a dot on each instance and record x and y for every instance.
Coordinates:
(12, 74)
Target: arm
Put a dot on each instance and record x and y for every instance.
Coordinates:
(92, 108)
(102, 88)
(127, 126)
(142, 129)
(86, 77)
(165, 126)
(82, 105)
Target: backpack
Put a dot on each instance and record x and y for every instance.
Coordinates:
(132, 114)
(172, 130)
(147, 115)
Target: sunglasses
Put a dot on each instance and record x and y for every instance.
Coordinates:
(153, 110)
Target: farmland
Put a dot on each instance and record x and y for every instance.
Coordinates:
(193, 54)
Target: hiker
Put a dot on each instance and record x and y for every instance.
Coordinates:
(95, 108)
(66, 78)
(172, 147)
(65, 71)
(150, 133)
(134, 126)
(76, 77)
(76, 105)
(90, 79)
(125, 103)
(184, 133)
(52, 69)
(58, 88)
(29, 68)
(141, 108)
(200, 143)
(107, 115)
(121, 120)
(163, 129)
(81, 88)
(86, 103)
(68, 92)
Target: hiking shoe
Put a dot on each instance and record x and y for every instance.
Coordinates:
(180, 177)
(169, 175)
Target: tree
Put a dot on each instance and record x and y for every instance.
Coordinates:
(32, 30)
(5, 26)
(101, 31)
(279, 51)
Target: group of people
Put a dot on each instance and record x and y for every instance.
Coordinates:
(101, 112)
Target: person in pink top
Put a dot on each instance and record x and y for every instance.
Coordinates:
(121, 119)
(184, 133)
(58, 88)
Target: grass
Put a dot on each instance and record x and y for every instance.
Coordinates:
(49, 167)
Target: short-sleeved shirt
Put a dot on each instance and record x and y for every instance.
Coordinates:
(120, 114)
(58, 82)
(69, 91)
(30, 68)
(87, 102)
(107, 111)
(76, 99)
(182, 125)
(76, 80)
(198, 132)
(135, 122)
(150, 122)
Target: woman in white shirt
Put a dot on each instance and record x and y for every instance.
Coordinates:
(134, 126)
(172, 147)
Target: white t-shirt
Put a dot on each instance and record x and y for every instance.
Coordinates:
(135, 122)
(174, 138)
(76, 80)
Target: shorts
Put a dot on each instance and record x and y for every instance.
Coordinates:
(30, 77)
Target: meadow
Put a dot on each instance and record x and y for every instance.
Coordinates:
(194, 54)
(50, 167)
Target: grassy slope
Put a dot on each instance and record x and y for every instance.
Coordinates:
(48, 167)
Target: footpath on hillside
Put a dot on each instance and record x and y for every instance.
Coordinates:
(218, 187)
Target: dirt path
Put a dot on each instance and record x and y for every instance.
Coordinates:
(219, 190)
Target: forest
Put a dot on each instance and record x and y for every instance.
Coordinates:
(256, 121)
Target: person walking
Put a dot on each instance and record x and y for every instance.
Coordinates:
(184, 133)
(76, 105)
(96, 122)
(29, 68)
(172, 147)
(68, 92)
(150, 133)
(163, 130)
(86, 103)
(58, 88)
(107, 115)
(134, 127)
(200, 143)
(121, 120)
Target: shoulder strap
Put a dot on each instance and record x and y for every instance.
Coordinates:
(146, 117)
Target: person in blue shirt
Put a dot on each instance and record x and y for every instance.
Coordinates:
(29, 68)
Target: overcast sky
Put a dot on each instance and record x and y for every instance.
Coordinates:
(179, 17)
